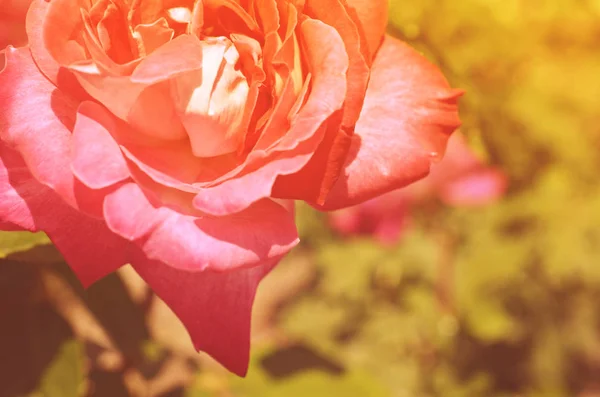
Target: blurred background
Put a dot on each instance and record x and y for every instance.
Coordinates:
(481, 281)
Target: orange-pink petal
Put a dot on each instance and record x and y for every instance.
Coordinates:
(409, 113)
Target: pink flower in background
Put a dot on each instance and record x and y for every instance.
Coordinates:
(460, 179)
(175, 134)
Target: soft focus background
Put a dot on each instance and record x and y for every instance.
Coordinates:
(489, 287)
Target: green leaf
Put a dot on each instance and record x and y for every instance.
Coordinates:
(11, 242)
(65, 375)
(311, 383)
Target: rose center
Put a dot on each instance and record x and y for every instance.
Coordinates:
(214, 100)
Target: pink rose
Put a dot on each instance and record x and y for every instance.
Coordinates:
(460, 179)
(173, 135)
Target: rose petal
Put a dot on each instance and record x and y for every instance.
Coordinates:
(408, 115)
(35, 120)
(335, 15)
(153, 114)
(190, 242)
(97, 159)
(16, 182)
(35, 32)
(215, 307)
(88, 246)
(374, 16)
(268, 15)
(154, 35)
(128, 212)
(182, 54)
(314, 181)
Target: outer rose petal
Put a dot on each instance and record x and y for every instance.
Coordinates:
(97, 159)
(263, 232)
(408, 115)
(17, 185)
(374, 16)
(88, 246)
(35, 27)
(336, 16)
(61, 77)
(215, 307)
(35, 120)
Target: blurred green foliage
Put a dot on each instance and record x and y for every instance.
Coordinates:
(11, 242)
(497, 301)
(65, 377)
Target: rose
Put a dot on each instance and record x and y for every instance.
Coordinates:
(460, 179)
(159, 133)
(172, 135)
